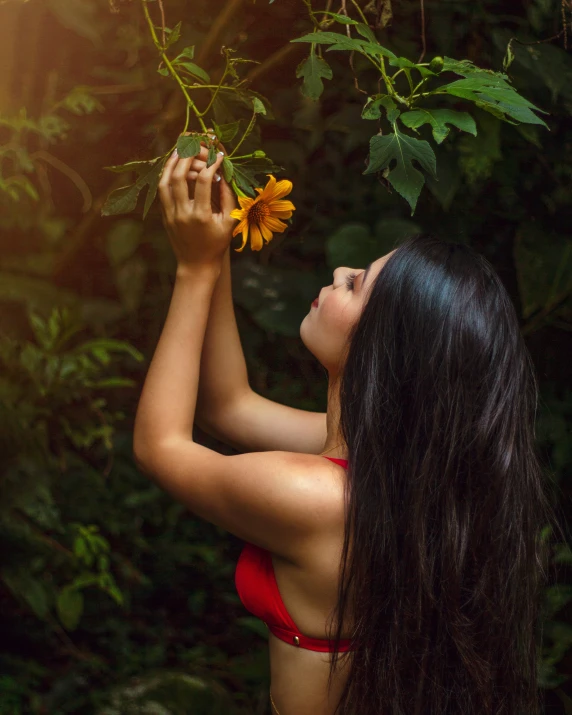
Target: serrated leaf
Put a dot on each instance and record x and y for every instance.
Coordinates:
(121, 201)
(226, 132)
(227, 169)
(372, 108)
(313, 69)
(404, 150)
(69, 605)
(195, 70)
(153, 179)
(245, 179)
(188, 145)
(438, 119)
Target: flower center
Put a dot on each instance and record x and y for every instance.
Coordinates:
(258, 212)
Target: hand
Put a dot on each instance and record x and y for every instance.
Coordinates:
(199, 235)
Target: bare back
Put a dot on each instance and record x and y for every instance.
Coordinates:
(299, 677)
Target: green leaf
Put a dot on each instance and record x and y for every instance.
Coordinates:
(195, 70)
(544, 267)
(402, 62)
(69, 606)
(245, 179)
(173, 35)
(137, 166)
(313, 69)
(372, 108)
(188, 145)
(121, 201)
(509, 57)
(108, 345)
(188, 53)
(466, 68)
(153, 179)
(226, 132)
(343, 42)
(438, 119)
(404, 150)
(366, 32)
(227, 169)
(211, 156)
(258, 105)
(344, 19)
(497, 97)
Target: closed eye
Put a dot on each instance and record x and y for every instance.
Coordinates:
(350, 279)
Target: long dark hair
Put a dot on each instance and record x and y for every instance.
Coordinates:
(445, 495)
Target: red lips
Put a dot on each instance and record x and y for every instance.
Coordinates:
(315, 303)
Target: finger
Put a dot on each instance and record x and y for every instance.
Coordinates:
(194, 175)
(179, 183)
(164, 186)
(203, 188)
(227, 198)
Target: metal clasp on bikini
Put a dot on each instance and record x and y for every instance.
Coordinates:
(296, 641)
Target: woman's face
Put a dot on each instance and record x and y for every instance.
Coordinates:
(324, 331)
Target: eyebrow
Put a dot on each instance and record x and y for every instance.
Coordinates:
(364, 276)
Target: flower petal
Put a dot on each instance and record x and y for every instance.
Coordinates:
(245, 202)
(266, 232)
(275, 225)
(265, 194)
(240, 227)
(238, 213)
(281, 188)
(244, 225)
(281, 205)
(256, 242)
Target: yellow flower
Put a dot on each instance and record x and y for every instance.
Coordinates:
(261, 215)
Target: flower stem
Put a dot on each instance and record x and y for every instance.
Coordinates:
(170, 67)
(246, 133)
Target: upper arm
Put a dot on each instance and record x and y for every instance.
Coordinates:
(276, 500)
(253, 423)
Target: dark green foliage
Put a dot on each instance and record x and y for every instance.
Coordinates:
(104, 578)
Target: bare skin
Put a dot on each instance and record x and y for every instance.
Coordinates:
(299, 676)
(308, 584)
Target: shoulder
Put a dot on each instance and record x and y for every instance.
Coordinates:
(277, 500)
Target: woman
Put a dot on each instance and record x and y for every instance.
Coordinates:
(392, 542)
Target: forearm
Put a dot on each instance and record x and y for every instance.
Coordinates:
(223, 372)
(167, 404)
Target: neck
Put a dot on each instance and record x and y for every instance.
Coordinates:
(334, 445)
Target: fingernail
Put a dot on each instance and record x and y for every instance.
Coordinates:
(175, 153)
(217, 177)
(221, 153)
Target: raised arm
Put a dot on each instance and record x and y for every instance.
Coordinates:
(227, 407)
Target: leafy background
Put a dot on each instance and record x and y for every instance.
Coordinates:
(114, 599)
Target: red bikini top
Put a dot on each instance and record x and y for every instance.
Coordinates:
(257, 588)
